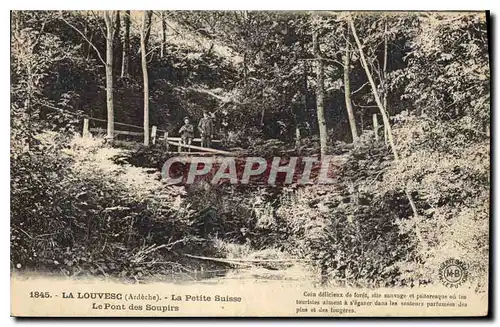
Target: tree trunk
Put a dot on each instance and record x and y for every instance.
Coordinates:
(262, 116)
(297, 136)
(245, 69)
(109, 20)
(347, 91)
(295, 111)
(147, 26)
(163, 35)
(384, 77)
(320, 93)
(126, 44)
(117, 46)
(305, 91)
(116, 34)
(384, 72)
(145, 77)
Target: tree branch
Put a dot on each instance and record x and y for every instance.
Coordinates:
(218, 97)
(85, 38)
(359, 89)
(156, 47)
(361, 106)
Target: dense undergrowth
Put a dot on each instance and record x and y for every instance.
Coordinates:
(73, 209)
(79, 205)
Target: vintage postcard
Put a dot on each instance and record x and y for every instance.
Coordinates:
(250, 163)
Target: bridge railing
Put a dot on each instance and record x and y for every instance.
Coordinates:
(154, 134)
(99, 130)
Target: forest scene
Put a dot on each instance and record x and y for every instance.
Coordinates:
(399, 100)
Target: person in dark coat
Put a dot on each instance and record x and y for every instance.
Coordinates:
(206, 128)
(187, 133)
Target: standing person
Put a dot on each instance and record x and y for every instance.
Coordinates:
(187, 133)
(206, 128)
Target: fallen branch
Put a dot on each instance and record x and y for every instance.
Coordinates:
(25, 233)
(267, 260)
(141, 255)
(218, 260)
(116, 208)
(36, 236)
(243, 261)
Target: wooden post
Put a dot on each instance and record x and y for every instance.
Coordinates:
(153, 134)
(166, 141)
(85, 133)
(375, 126)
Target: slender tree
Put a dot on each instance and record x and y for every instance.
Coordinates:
(320, 91)
(384, 77)
(144, 30)
(109, 20)
(347, 89)
(125, 44)
(163, 34)
(147, 24)
(117, 30)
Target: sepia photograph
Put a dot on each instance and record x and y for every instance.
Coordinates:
(250, 163)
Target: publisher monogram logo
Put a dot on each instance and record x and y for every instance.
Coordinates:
(453, 273)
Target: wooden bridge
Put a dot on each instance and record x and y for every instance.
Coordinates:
(170, 141)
